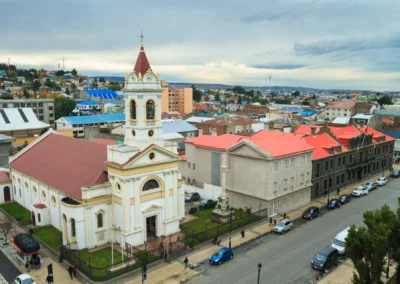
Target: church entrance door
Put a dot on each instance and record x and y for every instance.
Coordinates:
(7, 195)
(151, 227)
(33, 219)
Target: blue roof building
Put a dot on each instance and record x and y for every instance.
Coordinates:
(103, 94)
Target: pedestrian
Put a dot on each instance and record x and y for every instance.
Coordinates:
(337, 191)
(70, 270)
(274, 222)
(75, 269)
(219, 241)
(214, 242)
(242, 233)
(29, 232)
(37, 263)
(49, 279)
(186, 261)
(326, 193)
(27, 266)
(31, 263)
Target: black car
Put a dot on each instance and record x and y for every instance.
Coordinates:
(326, 258)
(396, 174)
(311, 213)
(345, 198)
(193, 196)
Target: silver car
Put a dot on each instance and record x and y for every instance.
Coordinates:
(371, 185)
(283, 226)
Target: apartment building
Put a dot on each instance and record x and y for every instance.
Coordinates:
(177, 99)
(44, 109)
(340, 109)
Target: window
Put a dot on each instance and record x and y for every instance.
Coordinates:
(26, 186)
(301, 179)
(194, 166)
(331, 164)
(34, 191)
(20, 195)
(287, 163)
(73, 232)
(275, 187)
(326, 165)
(189, 165)
(50, 107)
(51, 114)
(133, 109)
(292, 162)
(40, 104)
(303, 159)
(150, 109)
(100, 220)
(43, 195)
(15, 189)
(38, 217)
(151, 184)
(53, 200)
(308, 178)
(40, 110)
(276, 166)
(41, 117)
(285, 182)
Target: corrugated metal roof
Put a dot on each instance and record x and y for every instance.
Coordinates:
(387, 112)
(103, 94)
(88, 119)
(13, 119)
(177, 126)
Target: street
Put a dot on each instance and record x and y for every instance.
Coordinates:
(7, 269)
(286, 259)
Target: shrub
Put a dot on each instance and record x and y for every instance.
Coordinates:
(208, 205)
(192, 210)
(18, 217)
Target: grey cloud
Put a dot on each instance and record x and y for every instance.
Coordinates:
(331, 46)
(265, 16)
(279, 66)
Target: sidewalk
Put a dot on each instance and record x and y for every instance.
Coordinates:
(175, 273)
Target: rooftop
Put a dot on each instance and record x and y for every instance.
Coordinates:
(103, 94)
(228, 121)
(4, 176)
(341, 104)
(27, 101)
(12, 119)
(178, 126)
(322, 143)
(99, 118)
(221, 142)
(142, 63)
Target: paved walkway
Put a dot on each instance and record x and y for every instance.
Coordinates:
(174, 272)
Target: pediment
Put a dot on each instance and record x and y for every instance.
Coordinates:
(246, 148)
(152, 155)
(152, 208)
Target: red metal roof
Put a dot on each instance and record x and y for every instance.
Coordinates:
(322, 142)
(39, 206)
(4, 176)
(142, 63)
(65, 163)
(221, 142)
(306, 129)
(105, 141)
(376, 134)
(387, 121)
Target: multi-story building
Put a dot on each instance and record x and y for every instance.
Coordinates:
(229, 125)
(44, 109)
(340, 109)
(268, 170)
(177, 99)
(345, 155)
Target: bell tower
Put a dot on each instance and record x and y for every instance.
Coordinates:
(142, 90)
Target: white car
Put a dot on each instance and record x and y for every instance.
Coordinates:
(360, 191)
(381, 181)
(24, 279)
(283, 226)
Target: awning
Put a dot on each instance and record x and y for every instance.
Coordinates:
(25, 244)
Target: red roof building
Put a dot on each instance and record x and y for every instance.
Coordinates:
(142, 63)
(221, 142)
(104, 141)
(65, 163)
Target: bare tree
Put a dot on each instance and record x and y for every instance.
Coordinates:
(5, 226)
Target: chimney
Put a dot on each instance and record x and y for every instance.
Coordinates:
(313, 130)
(362, 123)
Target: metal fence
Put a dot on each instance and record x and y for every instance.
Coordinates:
(193, 237)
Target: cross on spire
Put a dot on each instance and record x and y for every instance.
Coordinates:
(141, 36)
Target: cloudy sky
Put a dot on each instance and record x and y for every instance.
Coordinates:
(312, 43)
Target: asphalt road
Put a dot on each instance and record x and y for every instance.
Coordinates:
(286, 259)
(7, 269)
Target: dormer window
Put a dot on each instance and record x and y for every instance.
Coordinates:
(331, 151)
(339, 149)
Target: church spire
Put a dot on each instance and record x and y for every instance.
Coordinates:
(142, 63)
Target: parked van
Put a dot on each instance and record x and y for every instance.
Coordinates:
(325, 258)
(340, 241)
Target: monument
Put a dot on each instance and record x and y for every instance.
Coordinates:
(222, 212)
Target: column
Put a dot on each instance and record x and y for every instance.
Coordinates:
(125, 206)
(138, 216)
(175, 196)
(167, 184)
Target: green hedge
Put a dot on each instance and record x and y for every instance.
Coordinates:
(208, 205)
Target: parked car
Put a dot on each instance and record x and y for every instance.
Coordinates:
(371, 185)
(345, 198)
(207, 201)
(325, 258)
(360, 191)
(396, 174)
(334, 203)
(381, 181)
(24, 279)
(283, 226)
(193, 196)
(311, 212)
(339, 242)
(221, 255)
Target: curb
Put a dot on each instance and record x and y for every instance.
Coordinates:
(10, 258)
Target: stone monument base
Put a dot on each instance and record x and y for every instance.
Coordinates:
(222, 217)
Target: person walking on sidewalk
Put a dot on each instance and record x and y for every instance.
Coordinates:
(74, 268)
(337, 191)
(27, 266)
(70, 270)
(186, 261)
(242, 233)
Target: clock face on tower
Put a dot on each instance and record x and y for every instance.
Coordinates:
(149, 77)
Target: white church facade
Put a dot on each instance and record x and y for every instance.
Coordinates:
(97, 194)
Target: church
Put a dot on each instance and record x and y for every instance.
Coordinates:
(97, 194)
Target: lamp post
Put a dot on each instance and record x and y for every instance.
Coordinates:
(230, 226)
(259, 270)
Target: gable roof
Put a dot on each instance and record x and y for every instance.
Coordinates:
(228, 121)
(4, 176)
(142, 63)
(65, 163)
(322, 143)
(178, 126)
(375, 134)
(341, 104)
(19, 119)
(306, 128)
(221, 142)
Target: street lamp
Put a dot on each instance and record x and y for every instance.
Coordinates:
(259, 270)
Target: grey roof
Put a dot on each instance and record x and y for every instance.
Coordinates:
(392, 133)
(178, 126)
(387, 112)
(5, 138)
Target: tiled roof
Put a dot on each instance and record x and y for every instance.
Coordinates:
(65, 163)
(341, 104)
(221, 142)
(199, 106)
(142, 63)
(4, 176)
(306, 129)
(322, 142)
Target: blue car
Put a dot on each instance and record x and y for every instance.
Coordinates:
(221, 256)
(334, 203)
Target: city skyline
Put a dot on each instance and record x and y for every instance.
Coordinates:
(310, 43)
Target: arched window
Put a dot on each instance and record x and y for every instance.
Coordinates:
(150, 109)
(100, 220)
(26, 186)
(151, 184)
(73, 232)
(133, 109)
(39, 219)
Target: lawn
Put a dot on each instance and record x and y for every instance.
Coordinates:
(16, 211)
(49, 235)
(99, 258)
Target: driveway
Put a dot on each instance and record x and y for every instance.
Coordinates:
(286, 259)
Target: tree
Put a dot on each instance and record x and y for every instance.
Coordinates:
(264, 101)
(74, 72)
(385, 100)
(102, 80)
(196, 94)
(368, 246)
(238, 90)
(114, 87)
(5, 226)
(63, 106)
(43, 131)
(73, 86)
(60, 73)
(67, 91)
(81, 79)
(26, 94)
(314, 97)
(217, 97)
(296, 93)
